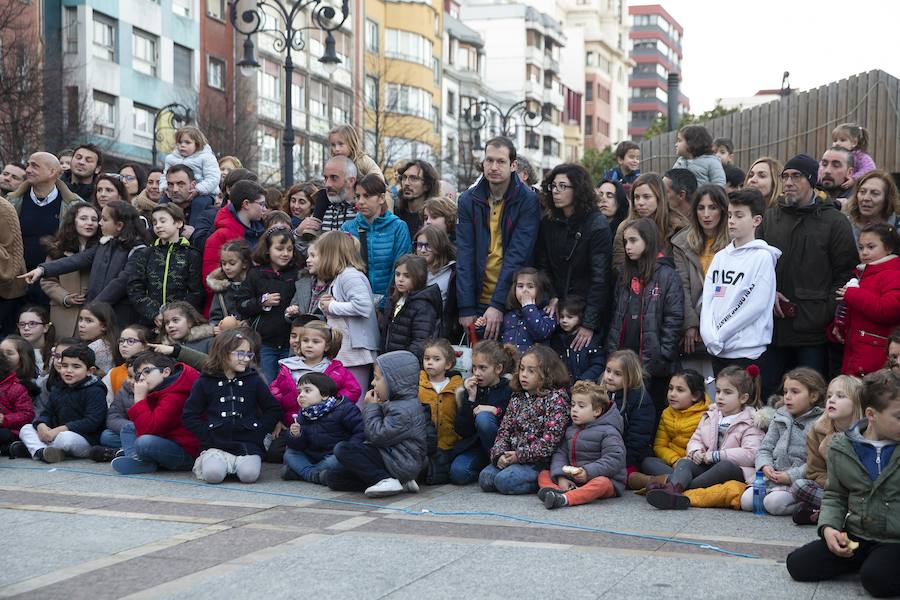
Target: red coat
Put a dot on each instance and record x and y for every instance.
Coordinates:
(227, 228)
(160, 412)
(873, 312)
(15, 404)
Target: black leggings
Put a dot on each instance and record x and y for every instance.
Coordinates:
(691, 476)
(361, 467)
(7, 436)
(876, 563)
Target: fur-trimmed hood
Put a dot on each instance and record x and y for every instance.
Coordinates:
(217, 281)
(762, 417)
(198, 332)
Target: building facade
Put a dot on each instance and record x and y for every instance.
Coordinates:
(656, 50)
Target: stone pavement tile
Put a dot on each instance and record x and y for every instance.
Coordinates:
(840, 589)
(50, 541)
(228, 544)
(299, 517)
(156, 507)
(45, 499)
(739, 524)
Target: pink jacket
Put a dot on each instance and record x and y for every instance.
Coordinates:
(741, 441)
(285, 390)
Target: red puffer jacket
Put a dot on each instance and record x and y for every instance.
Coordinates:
(873, 312)
(15, 404)
(160, 412)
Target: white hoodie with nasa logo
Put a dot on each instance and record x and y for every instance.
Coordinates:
(738, 296)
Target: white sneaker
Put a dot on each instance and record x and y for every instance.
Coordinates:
(411, 486)
(385, 487)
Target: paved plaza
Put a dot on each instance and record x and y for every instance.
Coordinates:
(77, 530)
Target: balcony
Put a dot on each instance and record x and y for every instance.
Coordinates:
(533, 89)
(271, 109)
(554, 97)
(534, 56)
(551, 64)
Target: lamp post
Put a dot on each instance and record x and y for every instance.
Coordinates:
(253, 20)
(477, 114)
(179, 116)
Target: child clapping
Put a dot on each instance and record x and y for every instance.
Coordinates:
(594, 467)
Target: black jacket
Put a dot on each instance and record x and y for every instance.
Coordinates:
(84, 190)
(818, 255)
(662, 314)
(418, 321)
(497, 396)
(318, 438)
(576, 253)
(233, 415)
(585, 364)
(639, 416)
(81, 408)
(268, 323)
(166, 273)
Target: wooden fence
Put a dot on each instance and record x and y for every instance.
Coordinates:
(802, 123)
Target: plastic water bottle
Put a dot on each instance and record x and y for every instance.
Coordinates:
(840, 312)
(759, 492)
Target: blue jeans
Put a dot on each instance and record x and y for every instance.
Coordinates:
(513, 480)
(268, 360)
(486, 426)
(465, 468)
(110, 439)
(299, 463)
(155, 450)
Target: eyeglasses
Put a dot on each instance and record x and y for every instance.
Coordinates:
(560, 187)
(410, 178)
(260, 202)
(792, 176)
(422, 246)
(115, 176)
(29, 324)
(144, 372)
(128, 341)
(129, 177)
(244, 355)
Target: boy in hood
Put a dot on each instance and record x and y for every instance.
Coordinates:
(739, 291)
(395, 450)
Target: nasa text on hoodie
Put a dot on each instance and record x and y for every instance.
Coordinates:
(738, 295)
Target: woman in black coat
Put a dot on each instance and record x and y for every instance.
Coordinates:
(575, 247)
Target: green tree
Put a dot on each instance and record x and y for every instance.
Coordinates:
(661, 123)
(598, 161)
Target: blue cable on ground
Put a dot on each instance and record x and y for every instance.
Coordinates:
(405, 511)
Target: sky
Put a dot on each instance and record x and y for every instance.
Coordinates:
(735, 48)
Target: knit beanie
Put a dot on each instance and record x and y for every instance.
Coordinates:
(807, 165)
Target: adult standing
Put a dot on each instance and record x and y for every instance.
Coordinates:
(199, 213)
(835, 171)
(12, 176)
(612, 201)
(574, 247)
(340, 180)
(87, 162)
(818, 257)
(134, 177)
(649, 200)
(109, 187)
(681, 185)
(497, 225)
(418, 182)
(12, 264)
(874, 200)
(149, 196)
(765, 176)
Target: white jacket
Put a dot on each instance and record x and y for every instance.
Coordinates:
(204, 165)
(738, 296)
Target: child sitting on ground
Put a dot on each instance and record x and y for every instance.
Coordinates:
(16, 409)
(585, 364)
(395, 447)
(325, 419)
(71, 420)
(858, 524)
(590, 463)
(437, 389)
(624, 380)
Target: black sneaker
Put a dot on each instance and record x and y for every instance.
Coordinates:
(18, 450)
(103, 454)
(288, 474)
(555, 499)
(542, 493)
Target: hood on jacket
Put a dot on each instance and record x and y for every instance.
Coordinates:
(879, 263)
(217, 281)
(181, 379)
(751, 246)
(197, 332)
(610, 418)
(90, 380)
(401, 371)
(430, 293)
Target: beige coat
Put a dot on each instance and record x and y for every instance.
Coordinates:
(688, 265)
(12, 253)
(64, 319)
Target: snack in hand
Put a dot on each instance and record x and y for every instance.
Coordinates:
(570, 470)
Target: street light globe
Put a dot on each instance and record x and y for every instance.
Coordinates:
(247, 70)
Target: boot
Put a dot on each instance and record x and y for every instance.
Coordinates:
(804, 514)
(669, 497)
(639, 481)
(723, 495)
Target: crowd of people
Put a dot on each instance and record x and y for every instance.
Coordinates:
(704, 337)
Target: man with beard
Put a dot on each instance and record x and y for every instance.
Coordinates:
(340, 180)
(418, 182)
(13, 176)
(87, 162)
(818, 255)
(835, 168)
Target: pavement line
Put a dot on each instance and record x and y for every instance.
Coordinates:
(35, 583)
(96, 512)
(734, 540)
(187, 582)
(541, 545)
(55, 492)
(351, 523)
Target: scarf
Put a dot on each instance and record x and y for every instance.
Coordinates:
(317, 411)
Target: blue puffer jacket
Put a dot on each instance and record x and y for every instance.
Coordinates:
(585, 364)
(519, 221)
(387, 239)
(318, 437)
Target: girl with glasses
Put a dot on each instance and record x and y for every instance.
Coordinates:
(133, 340)
(35, 326)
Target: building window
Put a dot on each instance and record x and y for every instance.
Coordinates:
(71, 29)
(298, 97)
(104, 114)
(372, 41)
(145, 55)
(342, 105)
(588, 91)
(316, 156)
(405, 45)
(318, 99)
(268, 87)
(215, 73)
(183, 66)
(436, 118)
(268, 149)
(602, 127)
(182, 8)
(104, 37)
(602, 93)
(143, 123)
(589, 59)
(409, 100)
(589, 125)
(371, 92)
(216, 9)
(436, 67)
(451, 103)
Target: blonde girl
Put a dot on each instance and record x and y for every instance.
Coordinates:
(764, 175)
(842, 409)
(344, 141)
(193, 150)
(624, 379)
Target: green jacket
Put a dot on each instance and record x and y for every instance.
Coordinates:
(853, 502)
(68, 197)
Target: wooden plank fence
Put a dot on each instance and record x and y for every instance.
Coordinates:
(802, 122)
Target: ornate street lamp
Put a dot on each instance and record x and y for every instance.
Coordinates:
(253, 20)
(178, 115)
(477, 117)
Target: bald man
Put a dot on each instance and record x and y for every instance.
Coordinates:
(40, 203)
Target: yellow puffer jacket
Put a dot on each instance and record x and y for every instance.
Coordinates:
(443, 408)
(675, 430)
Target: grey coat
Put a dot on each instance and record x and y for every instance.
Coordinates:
(397, 427)
(784, 447)
(597, 447)
(352, 295)
(117, 415)
(707, 168)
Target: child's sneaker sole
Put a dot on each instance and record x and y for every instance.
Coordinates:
(666, 500)
(53, 455)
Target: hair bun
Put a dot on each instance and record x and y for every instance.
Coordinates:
(753, 371)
